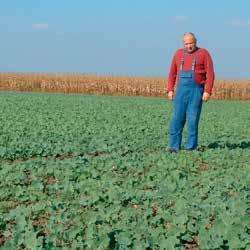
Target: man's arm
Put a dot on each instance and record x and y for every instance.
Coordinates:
(210, 73)
(172, 78)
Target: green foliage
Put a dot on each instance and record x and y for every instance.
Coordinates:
(86, 172)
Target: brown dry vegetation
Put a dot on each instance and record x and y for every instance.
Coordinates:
(112, 85)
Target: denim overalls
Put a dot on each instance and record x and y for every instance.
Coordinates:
(187, 106)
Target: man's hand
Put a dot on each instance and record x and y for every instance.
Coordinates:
(171, 95)
(205, 97)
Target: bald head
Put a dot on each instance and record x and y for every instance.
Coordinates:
(189, 34)
(189, 41)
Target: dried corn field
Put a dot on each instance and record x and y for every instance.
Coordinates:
(112, 85)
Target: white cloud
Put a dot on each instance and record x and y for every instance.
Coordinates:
(40, 26)
(180, 19)
(237, 23)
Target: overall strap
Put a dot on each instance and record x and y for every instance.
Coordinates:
(182, 61)
(193, 63)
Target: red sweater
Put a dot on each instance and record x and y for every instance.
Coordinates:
(204, 70)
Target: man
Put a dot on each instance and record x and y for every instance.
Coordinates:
(192, 74)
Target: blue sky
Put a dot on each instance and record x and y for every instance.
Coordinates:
(121, 37)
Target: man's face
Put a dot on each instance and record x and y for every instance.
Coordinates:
(189, 43)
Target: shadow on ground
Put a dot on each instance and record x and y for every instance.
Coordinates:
(221, 144)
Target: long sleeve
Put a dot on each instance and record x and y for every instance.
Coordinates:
(209, 73)
(172, 75)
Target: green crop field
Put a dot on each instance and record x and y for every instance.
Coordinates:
(92, 172)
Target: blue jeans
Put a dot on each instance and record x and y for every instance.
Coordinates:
(187, 105)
